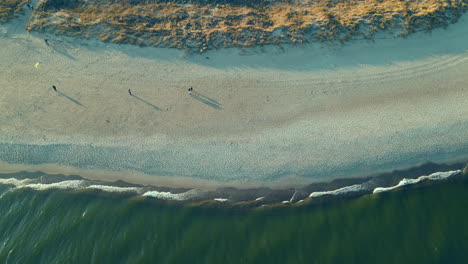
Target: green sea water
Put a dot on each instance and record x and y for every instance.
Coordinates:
(423, 224)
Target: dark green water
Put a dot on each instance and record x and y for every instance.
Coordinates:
(426, 224)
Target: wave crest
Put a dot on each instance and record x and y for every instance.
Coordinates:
(172, 196)
(437, 176)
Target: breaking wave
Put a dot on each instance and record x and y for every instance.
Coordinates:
(30, 183)
(434, 177)
(173, 196)
(352, 188)
(371, 186)
(107, 188)
(35, 184)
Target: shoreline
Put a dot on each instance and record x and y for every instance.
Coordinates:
(184, 182)
(245, 197)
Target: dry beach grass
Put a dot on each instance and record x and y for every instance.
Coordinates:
(200, 25)
(9, 8)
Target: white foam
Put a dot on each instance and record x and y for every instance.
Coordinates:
(260, 198)
(434, 177)
(222, 200)
(64, 185)
(108, 188)
(347, 189)
(26, 183)
(81, 184)
(72, 184)
(172, 196)
(15, 182)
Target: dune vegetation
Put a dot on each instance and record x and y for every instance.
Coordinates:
(10, 8)
(198, 25)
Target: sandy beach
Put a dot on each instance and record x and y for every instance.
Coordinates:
(258, 117)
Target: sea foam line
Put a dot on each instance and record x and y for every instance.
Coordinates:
(64, 185)
(26, 183)
(172, 196)
(15, 182)
(108, 188)
(437, 176)
(82, 184)
(347, 189)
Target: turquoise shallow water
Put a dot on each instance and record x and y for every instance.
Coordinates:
(420, 224)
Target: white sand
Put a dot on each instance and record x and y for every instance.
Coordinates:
(274, 117)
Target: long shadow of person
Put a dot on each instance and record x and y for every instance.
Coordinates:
(70, 98)
(206, 100)
(146, 102)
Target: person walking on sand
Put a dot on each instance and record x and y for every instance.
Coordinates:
(53, 87)
(190, 90)
(129, 92)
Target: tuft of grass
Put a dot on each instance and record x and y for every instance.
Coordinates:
(10, 8)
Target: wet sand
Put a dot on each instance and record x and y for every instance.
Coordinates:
(244, 196)
(272, 117)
